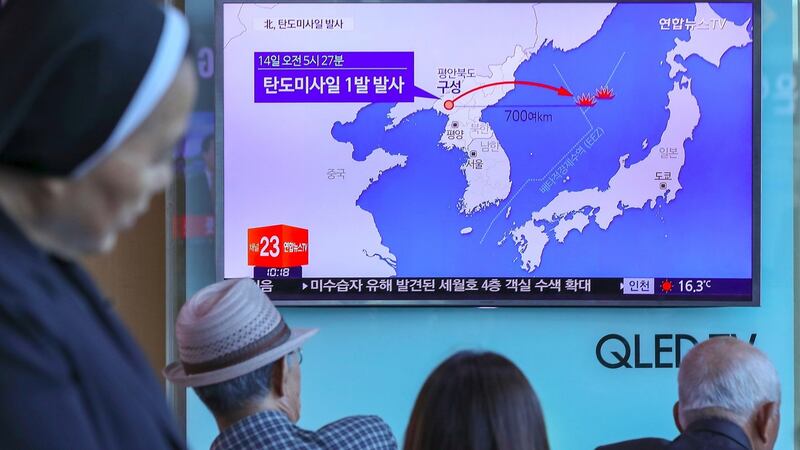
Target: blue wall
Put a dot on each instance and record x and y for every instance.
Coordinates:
(373, 361)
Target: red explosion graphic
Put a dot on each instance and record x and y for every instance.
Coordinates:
(604, 93)
(586, 100)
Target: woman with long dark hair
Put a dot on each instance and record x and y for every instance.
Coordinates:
(476, 401)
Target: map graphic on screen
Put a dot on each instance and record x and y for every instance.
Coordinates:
(509, 153)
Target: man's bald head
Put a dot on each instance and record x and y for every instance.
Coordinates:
(726, 378)
(729, 374)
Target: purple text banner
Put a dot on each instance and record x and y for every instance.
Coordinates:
(326, 77)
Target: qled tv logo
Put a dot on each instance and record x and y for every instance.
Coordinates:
(662, 351)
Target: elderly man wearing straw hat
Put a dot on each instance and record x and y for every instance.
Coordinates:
(243, 361)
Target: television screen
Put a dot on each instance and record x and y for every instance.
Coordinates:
(490, 153)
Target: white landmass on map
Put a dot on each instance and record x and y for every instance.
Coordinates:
(558, 23)
(710, 44)
(530, 240)
(579, 221)
(487, 168)
(367, 173)
(656, 176)
(488, 177)
(631, 187)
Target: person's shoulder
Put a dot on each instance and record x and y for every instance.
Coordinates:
(358, 432)
(638, 444)
(33, 296)
(21, 293)
(26, 275)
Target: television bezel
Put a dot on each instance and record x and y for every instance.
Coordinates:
(668, 302)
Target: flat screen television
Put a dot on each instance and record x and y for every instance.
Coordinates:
(475, 153)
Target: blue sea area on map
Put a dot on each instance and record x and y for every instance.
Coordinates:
(416, 207)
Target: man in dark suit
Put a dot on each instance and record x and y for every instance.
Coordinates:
(728, 399)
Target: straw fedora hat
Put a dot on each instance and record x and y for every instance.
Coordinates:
(229, 329)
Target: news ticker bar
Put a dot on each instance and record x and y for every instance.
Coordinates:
(289, 288)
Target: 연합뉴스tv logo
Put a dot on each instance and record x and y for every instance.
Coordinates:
(277, 246)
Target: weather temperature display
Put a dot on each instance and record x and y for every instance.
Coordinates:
(694, 285)
(685, 286)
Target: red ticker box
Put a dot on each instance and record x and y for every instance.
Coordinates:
(277, 246)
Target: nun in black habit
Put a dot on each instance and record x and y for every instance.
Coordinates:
(93, 95)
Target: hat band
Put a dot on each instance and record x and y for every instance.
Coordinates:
(274, 338)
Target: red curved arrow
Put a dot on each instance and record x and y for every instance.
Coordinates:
(559, 90)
